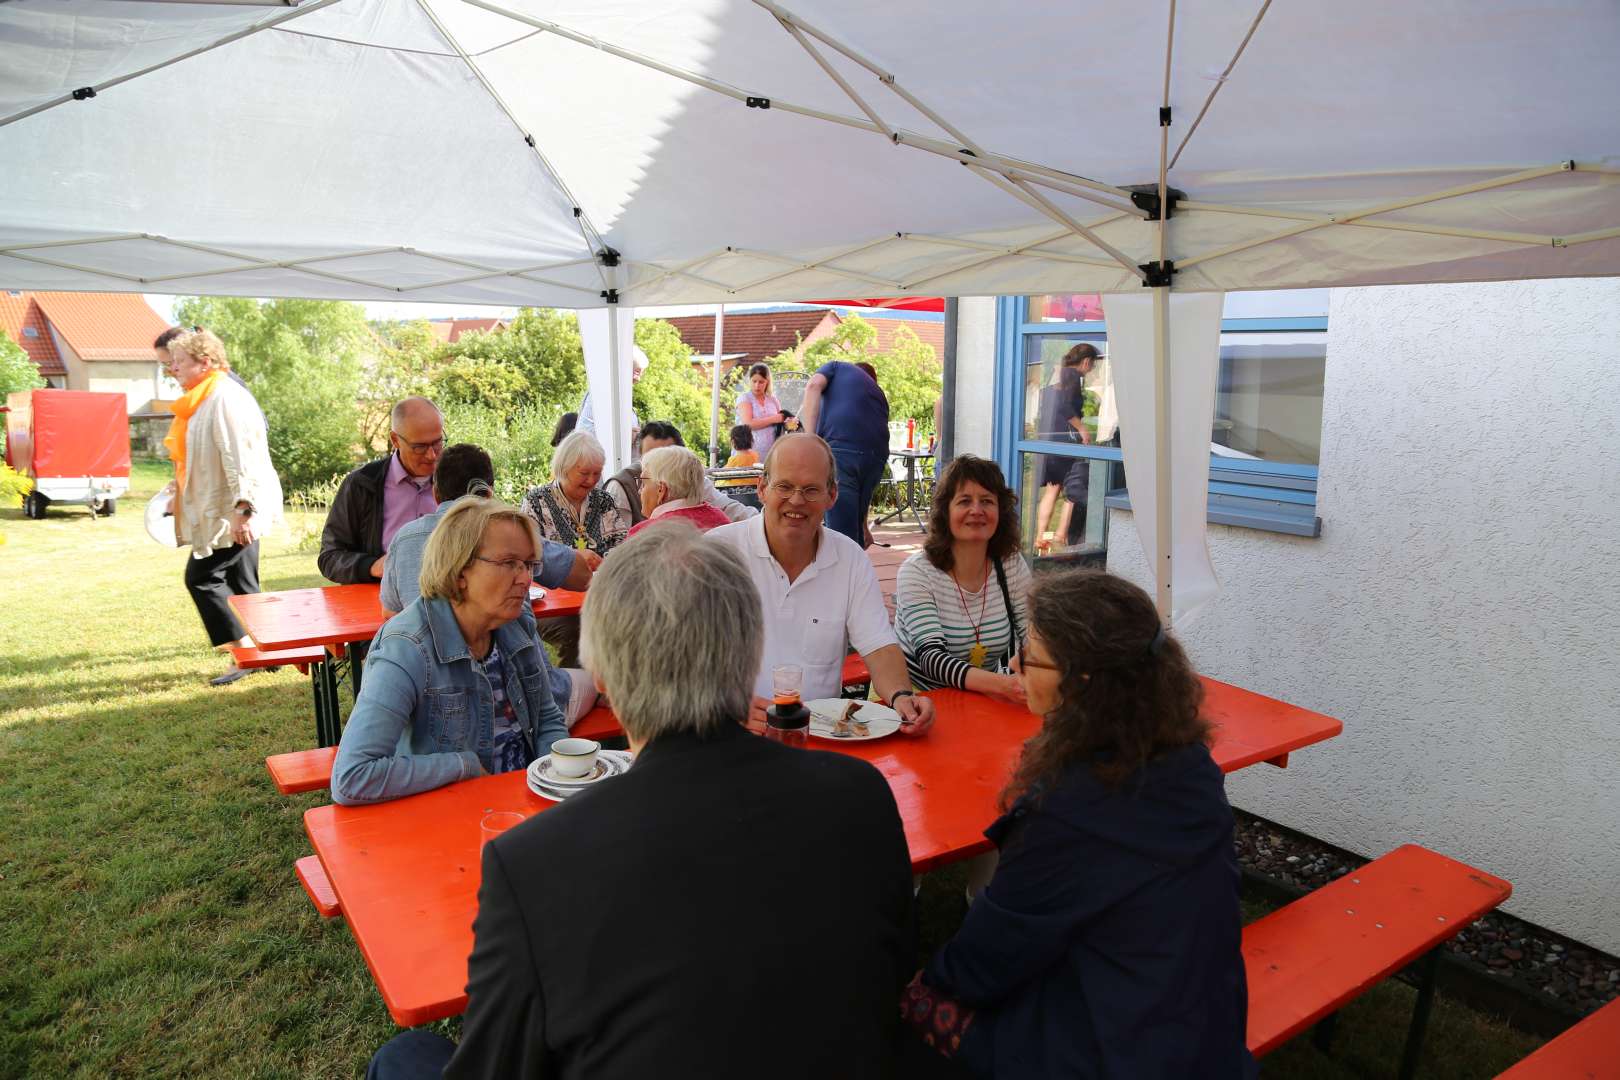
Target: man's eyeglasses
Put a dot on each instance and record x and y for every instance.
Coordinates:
(433, 447)
(527, 567)
(1026, 663)
(786, 491)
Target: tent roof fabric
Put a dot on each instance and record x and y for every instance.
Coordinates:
(19, 315)
(727, 151)
(103, 326)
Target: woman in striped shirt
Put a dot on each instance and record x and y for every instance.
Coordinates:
(960, 602)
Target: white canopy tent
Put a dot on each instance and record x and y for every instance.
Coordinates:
(710, 151)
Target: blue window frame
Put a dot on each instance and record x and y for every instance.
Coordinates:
(1066, 487)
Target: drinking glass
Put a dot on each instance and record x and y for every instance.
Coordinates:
(786, 682)
(496, 823)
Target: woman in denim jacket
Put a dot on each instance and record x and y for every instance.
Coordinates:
(456, 684)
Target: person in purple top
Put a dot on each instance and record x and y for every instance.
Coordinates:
(843, 404)
(379, 498)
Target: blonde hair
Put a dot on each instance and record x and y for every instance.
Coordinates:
(201, 345)
(677, 467)
(456, 539)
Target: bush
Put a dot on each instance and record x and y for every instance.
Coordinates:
(17, 371)
(13, 484)
(518, 445)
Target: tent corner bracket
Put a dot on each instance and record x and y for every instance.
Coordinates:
(1158, 275)
(1145, 197)
(608, 257)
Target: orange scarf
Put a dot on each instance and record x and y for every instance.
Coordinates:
(183, 409)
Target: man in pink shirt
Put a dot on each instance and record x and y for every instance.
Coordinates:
(379, 498)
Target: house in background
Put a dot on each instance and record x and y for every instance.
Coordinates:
(450, 330)
(90, 341)
(755, 336)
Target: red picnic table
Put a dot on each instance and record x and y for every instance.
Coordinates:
(332, 617)
(406, 872)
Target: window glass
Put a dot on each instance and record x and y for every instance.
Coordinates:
(1065, 307)
(1053, 399)
(1268, 402)
(1063, 516)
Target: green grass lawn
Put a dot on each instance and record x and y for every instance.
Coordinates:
(152, 923)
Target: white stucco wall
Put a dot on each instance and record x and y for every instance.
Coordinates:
(975, 374)
(1459, 611)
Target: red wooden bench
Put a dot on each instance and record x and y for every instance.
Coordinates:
(246, 656)
(1307, 960)
(301, 770)
(1588, 1051)
(855, 676)
(312, 876)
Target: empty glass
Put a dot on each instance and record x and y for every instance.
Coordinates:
(496, 823)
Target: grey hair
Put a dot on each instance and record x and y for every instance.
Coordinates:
(674, 630)
(578, 447)
(793, 436)
(677, 467)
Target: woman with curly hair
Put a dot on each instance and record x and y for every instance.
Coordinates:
(959, 606)
(1108, 941)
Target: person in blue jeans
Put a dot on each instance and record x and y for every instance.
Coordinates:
(844, 405)
(457, 685)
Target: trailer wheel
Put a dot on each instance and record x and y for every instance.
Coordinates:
(34, 505)
(108, 507)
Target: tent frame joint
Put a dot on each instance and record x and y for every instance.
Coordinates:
(757, 102)
(607, 256)
(1164, 116)
(1145, 197)
(610, 296)
(1158, 275)
(83, 93)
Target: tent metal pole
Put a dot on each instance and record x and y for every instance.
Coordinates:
(714, 394)
(947, 410)
(42, 245)
(616, 453)
(13, 254)
(768, 256)
(1029, 250)
(1220, 81)
(1394, 226)
(1164, 548)
(1023, 194)
(97, 88)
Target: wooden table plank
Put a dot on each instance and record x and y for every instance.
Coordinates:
(334, 615)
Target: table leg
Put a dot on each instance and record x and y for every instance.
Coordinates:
(911, 492)
(327, 727)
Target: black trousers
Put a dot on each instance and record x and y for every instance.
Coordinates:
(224, 573)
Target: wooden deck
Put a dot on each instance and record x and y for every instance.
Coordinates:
(904, 541)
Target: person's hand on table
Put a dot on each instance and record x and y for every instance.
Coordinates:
(1008, 688)
(916, 714)
(377, 567)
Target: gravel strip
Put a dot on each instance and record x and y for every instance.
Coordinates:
(1511, 949)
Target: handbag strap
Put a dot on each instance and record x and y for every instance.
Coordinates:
(1012, 615)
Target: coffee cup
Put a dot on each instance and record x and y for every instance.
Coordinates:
(574, 758)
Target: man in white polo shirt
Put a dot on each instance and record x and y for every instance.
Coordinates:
(820, 592)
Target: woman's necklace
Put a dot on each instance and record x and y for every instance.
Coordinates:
(575, 518)
(977, 654)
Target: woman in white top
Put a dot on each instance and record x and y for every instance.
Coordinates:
(759, 410)
(225, 492)
(960, 603)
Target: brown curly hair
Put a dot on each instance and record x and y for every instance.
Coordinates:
(1126, 694)
(987, 474)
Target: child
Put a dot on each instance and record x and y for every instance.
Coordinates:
(742, 490)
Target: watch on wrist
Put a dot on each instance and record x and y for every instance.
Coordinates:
(244, 509)
(898, 694)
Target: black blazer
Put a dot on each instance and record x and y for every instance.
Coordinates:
(352, 539)
(729, 907)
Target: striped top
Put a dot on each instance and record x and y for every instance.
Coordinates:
(936, 632)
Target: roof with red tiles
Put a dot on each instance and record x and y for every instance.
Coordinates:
(450, 330)
(103, 326)
(930, 332)
(24, 323)
(759, 335)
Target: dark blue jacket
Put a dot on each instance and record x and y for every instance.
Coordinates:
(1108, 942)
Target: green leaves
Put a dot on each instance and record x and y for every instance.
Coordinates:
(17, 371)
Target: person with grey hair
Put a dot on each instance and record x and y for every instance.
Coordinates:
(381, 497)
(456, 685)
(719, 893)
(671, 485)
(572, 510)
(821, 594)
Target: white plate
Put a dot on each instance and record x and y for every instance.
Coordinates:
(546, 784)
(536, 593)
(160, 519)
(881, 721)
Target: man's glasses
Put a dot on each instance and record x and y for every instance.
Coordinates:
(527, 567)
(433, 447)
(785, 491)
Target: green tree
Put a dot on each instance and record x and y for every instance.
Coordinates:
(909, 373)
(409, 355)
(17, 370)
(543, 345)
(303, 360)
(489, 384)
(670, 389)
